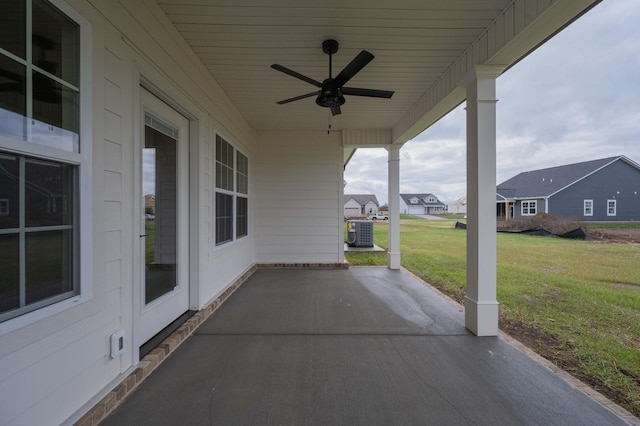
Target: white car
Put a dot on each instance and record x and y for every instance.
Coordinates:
(379, 216)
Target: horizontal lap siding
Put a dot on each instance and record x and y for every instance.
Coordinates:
(619, 181)
(51, 368)
(298, 198)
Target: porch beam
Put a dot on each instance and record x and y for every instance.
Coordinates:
(481, 306)
(393, 254)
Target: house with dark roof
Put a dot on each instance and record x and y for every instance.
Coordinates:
(421, 204)
(607, 189)
(360, 204)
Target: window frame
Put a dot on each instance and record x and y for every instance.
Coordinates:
(615, 207)
(235, 193)
(82, 257)
(530, 204)
(587, 207)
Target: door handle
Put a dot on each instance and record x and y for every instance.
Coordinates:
(144, 235)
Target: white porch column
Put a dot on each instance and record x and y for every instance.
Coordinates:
(481, 306)
(393, 255)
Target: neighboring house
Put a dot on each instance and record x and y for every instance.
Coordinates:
(458, 207)
(421, 204)
(100, 99)
(607, 189)
(360, 204)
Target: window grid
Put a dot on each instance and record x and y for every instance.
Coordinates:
(232, 188)
(529, 208)
(39, 227)
(48, 237)
(611, 207)
(588, 208)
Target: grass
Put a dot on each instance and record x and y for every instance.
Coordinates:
(575, 302)
(149, 241)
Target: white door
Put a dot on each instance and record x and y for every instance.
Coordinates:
(163, 290)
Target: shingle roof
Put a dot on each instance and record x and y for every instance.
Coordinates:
(545, 182)
(361, 199)
(421, 198)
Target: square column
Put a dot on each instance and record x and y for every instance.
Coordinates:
(393, 255)
(481, 306)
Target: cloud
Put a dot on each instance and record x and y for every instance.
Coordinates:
(574, 99)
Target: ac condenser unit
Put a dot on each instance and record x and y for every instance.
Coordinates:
(360, 233)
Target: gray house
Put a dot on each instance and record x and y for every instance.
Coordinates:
(600, 190)
(421, 204)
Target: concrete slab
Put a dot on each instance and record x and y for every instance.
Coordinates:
(375, 248)
(364, 346)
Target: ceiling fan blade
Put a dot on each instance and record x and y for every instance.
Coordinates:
(353, 68)
(297, 75)
(308, 95)
(336, 111)
(373, 93)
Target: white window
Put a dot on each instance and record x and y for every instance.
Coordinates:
(529, 208)
(414, 200)
(611, 207)
(588, 208)
(40, 157)
(232, 189)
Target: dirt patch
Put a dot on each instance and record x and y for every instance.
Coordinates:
(553, 224)
(559, 226)
(613, 235)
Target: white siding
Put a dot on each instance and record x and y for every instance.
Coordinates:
(298, 199)
(51, 368)
(352, 208)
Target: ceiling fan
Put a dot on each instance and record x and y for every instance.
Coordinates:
(332, 90)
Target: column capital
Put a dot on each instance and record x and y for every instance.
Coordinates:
(482, 72)
(394, 147)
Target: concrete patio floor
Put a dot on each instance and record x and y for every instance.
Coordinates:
(358, 346)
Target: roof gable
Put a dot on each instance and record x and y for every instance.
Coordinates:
(546, 182)
(361, 199)
(422, 199)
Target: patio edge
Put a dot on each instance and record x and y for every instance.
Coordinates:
(574, 382)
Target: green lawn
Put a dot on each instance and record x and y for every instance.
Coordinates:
(575, 302)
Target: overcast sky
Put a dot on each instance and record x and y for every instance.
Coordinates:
(576, 98)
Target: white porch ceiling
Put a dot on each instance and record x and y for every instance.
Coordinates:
(421, 48)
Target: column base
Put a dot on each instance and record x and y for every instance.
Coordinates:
(481, 318)
(393, 260)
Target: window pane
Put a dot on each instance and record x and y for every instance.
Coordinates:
(9, 272)
(224, 218)
(49, 192)
(56, 113)
(9, 192)
(13, 101)
(13, 27)
(241, 216)
(55, 42)
(242, 169)
(224, 164)
(48, 264)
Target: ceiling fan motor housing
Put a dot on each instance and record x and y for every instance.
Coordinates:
(330, 96)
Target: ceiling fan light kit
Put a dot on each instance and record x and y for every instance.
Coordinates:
(332, 90)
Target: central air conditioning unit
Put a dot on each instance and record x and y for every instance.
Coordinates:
(360, 233)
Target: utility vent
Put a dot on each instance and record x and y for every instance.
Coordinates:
(360, 233)
(117, 343)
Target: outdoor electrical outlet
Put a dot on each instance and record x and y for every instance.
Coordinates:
(117, 343)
